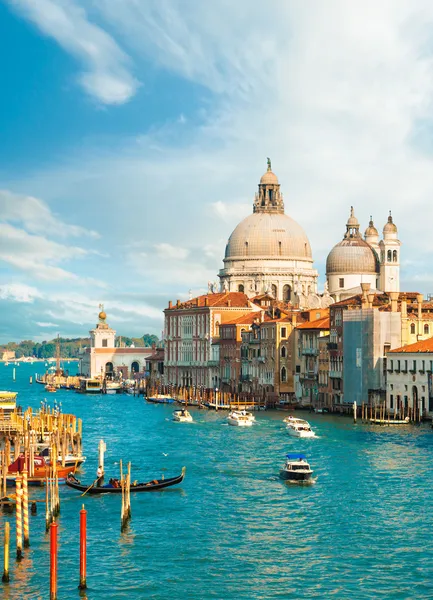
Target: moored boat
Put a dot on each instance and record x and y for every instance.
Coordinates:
(50, 387)
(182, 416)
(90, 385)
(240, 418)
(114, 488)
(40, 470)
(160, 399)
(296, 469)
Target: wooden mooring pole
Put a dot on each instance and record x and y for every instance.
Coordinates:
(53, 561)
(19, 518)
(83, 548)
(5, 577)
(26, 510)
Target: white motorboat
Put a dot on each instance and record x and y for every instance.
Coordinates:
(240, 418)
(182, 416)
(300, 428)
(296, 469)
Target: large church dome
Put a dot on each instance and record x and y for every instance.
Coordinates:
(269, 252)
(269, 235)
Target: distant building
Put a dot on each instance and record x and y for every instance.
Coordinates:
(192, 334)
(308, 335)
(8, 355)
(409, 378)
(105, 359)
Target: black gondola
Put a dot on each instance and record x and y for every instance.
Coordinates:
(149, 486)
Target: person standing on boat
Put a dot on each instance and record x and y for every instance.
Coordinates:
(99, 475)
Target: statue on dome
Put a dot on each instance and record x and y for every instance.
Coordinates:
(269, 163)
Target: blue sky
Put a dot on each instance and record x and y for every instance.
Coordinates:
(133, 135)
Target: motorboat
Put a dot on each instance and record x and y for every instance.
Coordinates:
(240, 418)
(300, 428)
(40, 470)
(160, 399)
(291, 419)
(114, 487)
(89, 385)
(50, 387)
(296, 469)
(71, 460)
(113, 387)
(182, 416)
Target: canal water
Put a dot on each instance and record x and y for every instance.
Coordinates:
(233, 530)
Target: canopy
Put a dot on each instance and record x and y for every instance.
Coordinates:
(295, 456)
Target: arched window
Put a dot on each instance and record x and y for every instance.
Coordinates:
(109, 368)
(389, 256)
(135, 367)
(394, 255)
(283, 374)
(217, 328)
(246, 248)
(426, 329)
(283, 352)
(287, 293)
(241, 288)
(274, 290)
(412, 328)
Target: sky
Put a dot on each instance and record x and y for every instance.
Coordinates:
(133, 134)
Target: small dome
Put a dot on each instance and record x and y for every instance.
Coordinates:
(371, 229)
(269, 178)
(352, 255)
(390, 226)
(269, 235)
(352, 221)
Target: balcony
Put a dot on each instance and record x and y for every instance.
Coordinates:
(336, 374)
(310, 351)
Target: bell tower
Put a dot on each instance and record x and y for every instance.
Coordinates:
(390, 258)
(102, 336)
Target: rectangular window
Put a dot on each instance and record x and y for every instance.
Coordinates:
(414, 365)
(298, 368)
(104, 343)
(283, 332)
(391, 401)
(391, 365)
(341, 282)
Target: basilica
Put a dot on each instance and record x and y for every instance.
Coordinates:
(269, 253)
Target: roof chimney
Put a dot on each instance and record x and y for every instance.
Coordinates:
(404, 307)
(294, 319)
(419, 299)
(229, 302)
(170, 304)
(370, 300)
(262, 316)
(394, 301)
(177, 303)
(206, 301)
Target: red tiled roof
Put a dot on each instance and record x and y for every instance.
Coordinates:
(422, 346)
(317, 324)
(246, 319)
(226, 299)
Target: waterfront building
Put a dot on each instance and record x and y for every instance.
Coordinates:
(106, 358)
(230, 343)
(409, 378)
(155, 367)
(308, 339)
(355, 260)
(324, 382)
(192, 334)
(269, 252)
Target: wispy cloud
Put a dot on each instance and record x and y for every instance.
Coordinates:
(48, 325)
(107, 76)
(19, 292)
(36, 216)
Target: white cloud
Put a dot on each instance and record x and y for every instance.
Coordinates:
(19, 292)
(36, 216)
(48, 325)
(166, 250)
(107, 74)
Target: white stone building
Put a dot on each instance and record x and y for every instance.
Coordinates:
(409, 378)
(355, 260)
(104, 358)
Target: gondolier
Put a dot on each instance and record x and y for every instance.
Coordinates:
(99, 475)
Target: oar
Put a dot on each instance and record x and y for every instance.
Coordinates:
(90, 486)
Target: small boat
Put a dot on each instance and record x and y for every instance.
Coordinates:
(90, 386)
(182, 416)
(113, 387)
(160, 399)
(50, 387)
(405, 421)
(296, 469)
(240, 418)
(40, 470)
(300, 428)
(114, 488)
(70, 459)
(8, 402)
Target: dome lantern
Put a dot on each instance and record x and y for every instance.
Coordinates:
(269, 198)
(390, 229)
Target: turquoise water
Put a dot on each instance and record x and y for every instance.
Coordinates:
(233, 530)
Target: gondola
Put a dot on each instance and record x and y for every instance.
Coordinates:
(149, 486)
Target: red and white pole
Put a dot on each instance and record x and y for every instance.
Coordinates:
(53, 561)
(83, 548)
